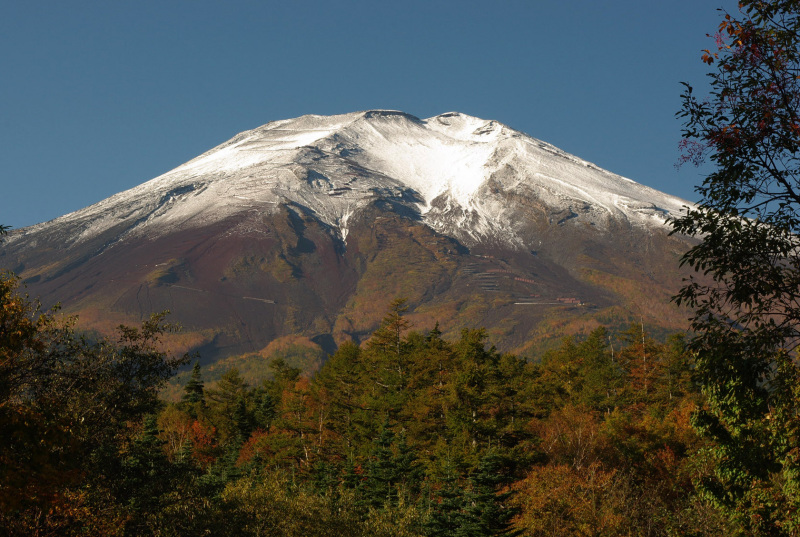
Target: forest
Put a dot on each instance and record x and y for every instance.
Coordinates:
(405, 434)
(410, 434)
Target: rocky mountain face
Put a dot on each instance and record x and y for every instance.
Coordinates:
(304, 230)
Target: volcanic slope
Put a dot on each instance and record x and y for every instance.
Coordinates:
(309, 227)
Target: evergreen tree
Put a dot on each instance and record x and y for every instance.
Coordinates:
(265, 410)
(477, 510)
(342, 382)
(193, 392)
(324, 477)
(602, 376)
(408, 471)
(223, 402)
(469, 390)
(379, 489)
(351, 478)
(386, 360)
(145, 479)
(242, 419)
(485, 511)
(447, 510)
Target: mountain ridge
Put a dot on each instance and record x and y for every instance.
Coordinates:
(311, 226)
(446, 178)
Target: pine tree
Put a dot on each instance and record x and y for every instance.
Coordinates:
(145, 478)
(341, 381)
(223, 402)
(193, 392)
(379, 489)
(485, 511)
(447, 510)
(242, 419)
(409, 473)
(386, 360)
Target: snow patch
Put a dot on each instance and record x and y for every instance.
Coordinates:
(458, 171)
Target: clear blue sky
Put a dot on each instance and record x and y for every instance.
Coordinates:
(97, 97)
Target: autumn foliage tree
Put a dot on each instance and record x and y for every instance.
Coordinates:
(67, 406)
(746, 311)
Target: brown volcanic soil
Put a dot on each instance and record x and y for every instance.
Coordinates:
(238, 285)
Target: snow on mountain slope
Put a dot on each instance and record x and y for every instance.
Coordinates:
(455, 170)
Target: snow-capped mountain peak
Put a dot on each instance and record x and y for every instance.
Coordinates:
(457, 171)
(308, 226)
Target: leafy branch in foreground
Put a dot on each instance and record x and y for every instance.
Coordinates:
(746, 311)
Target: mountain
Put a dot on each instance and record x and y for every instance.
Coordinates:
(301, 232)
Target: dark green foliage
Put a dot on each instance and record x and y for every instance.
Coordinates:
(379, 487)
(745, 311)
(265, 411)
(145, 479)
(324, 477)
(243, 421)
(193, 392)
(447, 509)
(225, 400)
(391, 473)
(475, 509)
(485, 510)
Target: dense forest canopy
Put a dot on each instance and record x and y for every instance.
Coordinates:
(407, 434)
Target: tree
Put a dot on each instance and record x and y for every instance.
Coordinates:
(223, 402)
(386, 358)
(477, 510)
(486, 513)
(193, 392)
(340, 384)
(379, 489)
(66, 407)
(145, 477)
(447, 511)
(746, 308)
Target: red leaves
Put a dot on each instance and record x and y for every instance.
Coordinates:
(204, 443)
(691, 151)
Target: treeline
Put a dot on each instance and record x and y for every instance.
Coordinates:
(407, 434)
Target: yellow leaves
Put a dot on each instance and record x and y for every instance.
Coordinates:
(731, 27)
(709, 57)
(561, 500)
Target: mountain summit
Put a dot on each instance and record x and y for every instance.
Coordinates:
(312, 225)
(455, 171)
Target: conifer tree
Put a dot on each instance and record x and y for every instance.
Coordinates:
(387, 364)
(193, 392)
(343, 379)
(447, 510)
(382, 473)
(485, 511)
(242, 419)
(409, 473)
(145, 478)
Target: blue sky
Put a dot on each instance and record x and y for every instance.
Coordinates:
(98, 97)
